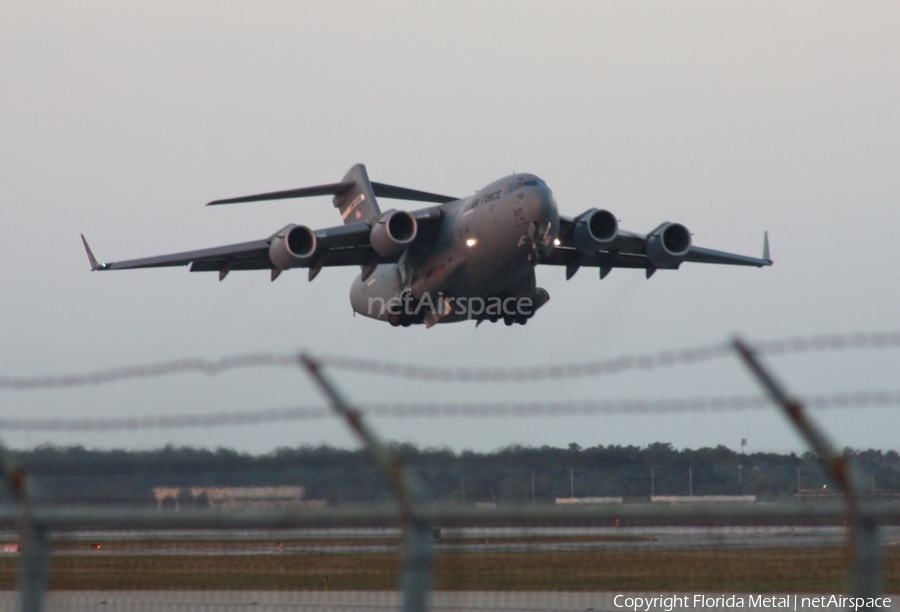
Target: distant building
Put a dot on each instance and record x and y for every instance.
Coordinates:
(232, 498)
(881, 495)
(675, 500)
(585, 501)
(163, 493)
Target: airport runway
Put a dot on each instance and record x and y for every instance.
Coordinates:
(307, 601)
(481, 540)
(249, 601)
(471, 540)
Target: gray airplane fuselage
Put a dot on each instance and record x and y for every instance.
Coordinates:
(484, 247)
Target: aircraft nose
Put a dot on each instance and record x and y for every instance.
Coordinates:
(543, 204)
(548, 202)
(543, 214)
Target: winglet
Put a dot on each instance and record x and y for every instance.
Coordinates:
(766, 248)
(95, 265)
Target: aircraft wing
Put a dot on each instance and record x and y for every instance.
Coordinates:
(632, 250)
(343, 245)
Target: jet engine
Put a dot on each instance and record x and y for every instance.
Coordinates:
(594, 230)
(668, 244)
(394, 231)
(292, 247)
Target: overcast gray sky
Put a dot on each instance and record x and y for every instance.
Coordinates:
(120, 120)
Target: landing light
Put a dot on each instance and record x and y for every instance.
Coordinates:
(556, 242)
(471, 242)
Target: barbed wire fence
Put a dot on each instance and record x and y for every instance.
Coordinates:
(799, 345)
(206, 420)
(456, 375)
(36, 523)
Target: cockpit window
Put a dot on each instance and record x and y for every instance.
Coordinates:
(532, 182)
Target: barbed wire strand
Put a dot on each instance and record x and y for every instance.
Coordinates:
(360, 365)
(840, 400)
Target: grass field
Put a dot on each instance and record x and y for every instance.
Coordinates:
(734, 570)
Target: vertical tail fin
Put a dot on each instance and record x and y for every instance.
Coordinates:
(357, 203)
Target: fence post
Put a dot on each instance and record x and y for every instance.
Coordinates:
(33, 550)
(865, 572)
(415, 580)
(33, 563)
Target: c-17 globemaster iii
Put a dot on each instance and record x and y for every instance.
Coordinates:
(465, 258)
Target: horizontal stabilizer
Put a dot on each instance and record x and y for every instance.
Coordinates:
(403, 193)
(380, 190)
(303, 192)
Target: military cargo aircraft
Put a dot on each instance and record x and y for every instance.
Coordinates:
(470, 258)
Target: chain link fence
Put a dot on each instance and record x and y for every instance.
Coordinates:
(199, 544)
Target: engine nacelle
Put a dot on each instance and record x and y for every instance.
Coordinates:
(292, 247)
(595, 230)
(668, 244)
(394, 231)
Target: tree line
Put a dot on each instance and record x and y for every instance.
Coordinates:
(515, 474)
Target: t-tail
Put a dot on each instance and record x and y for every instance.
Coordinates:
(357, 202)
(354, 196)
